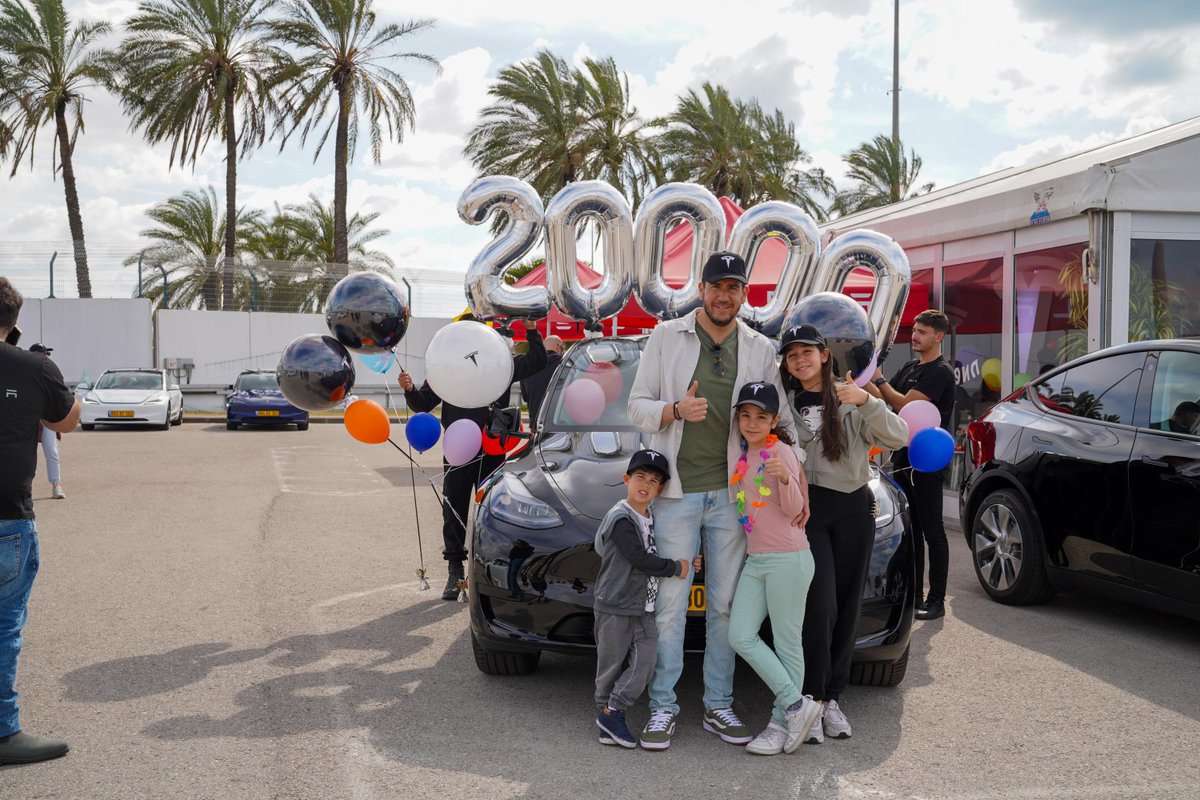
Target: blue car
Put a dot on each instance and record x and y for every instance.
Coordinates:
(255, 399)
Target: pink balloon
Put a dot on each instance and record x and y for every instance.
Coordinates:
(866, 374)
(920, 414)
(608, 375)
(584, 400)
(461, 442)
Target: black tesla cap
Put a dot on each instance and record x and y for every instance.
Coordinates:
(649, 459)
(723, 265)
(40, 348)
(801, 334)
(763, 395)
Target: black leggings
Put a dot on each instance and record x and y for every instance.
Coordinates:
(458, 489)
(924, 493)
(841, 533)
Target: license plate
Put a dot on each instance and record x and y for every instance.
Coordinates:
(120, 413)
(696, 598)
(267, 413)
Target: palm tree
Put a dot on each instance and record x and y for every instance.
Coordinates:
(187, 244)
(883, 175)
(290, 276)
(314, 224)
(192, 69)
(534, 128)
(341, 60)
(615, 140)
(736, 149)
(46, 64)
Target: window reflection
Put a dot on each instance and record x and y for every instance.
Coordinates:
(1164, 289)
(1051, 310)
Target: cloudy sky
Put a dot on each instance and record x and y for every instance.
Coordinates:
(985, 85)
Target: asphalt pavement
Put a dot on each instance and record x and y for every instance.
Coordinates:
(235, 614)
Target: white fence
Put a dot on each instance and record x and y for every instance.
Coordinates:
(90, 336)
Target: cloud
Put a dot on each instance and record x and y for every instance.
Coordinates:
(1052, 147)
(1112, 19)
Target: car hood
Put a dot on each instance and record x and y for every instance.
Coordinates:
(586, 469)
(125, 395)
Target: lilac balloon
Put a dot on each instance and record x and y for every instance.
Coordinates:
(865, 376)
(585, 401)
(461, 442)
(920, 414)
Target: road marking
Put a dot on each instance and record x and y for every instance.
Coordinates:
(325, 471)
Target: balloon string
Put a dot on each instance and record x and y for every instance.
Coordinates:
(436, 493)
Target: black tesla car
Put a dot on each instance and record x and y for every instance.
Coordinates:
(533, 565)
(1089, 476)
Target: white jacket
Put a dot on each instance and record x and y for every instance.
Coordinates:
(665, 373)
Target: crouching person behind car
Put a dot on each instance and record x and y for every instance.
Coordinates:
(626, 634)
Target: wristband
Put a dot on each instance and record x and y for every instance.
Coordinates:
(879, 381)
(675, 410)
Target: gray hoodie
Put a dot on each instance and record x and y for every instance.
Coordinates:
(871, 425)
(621, 583)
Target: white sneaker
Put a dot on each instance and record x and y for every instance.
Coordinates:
(816, 733)
(800, 723)
(56, 491)
(836, 724)
(770, 742)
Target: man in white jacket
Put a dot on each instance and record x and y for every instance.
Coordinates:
(682, 397)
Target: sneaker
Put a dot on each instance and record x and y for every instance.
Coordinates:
(612, 722)
(606, 739)
(931, 609)
(802, 722)
(454, 580)
(835, 722)
(816, 734)
(724, 723)
(770, 742)
(659, 730)
(21, 748)
(56, 491)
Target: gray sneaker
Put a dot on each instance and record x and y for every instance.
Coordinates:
(836, 724)
(56, 491)
(770, 742)
(724, 723)
(659, 730)
(802, 722)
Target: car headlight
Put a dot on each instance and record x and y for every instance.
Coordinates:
(511, 502)
(157, 398)
(90, 397)
(885, 509)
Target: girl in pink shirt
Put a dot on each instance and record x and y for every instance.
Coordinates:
(779, 568)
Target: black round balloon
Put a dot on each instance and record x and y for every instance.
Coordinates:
(367, 312)
(315, 372)
(845, 326)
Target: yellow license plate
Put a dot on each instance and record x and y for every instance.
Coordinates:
(120, 413)
(267, 413)
(696, 599)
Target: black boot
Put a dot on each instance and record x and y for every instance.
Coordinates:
(21, 748)
(455, 568)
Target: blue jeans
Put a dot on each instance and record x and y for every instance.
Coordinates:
(680, 526)
(18, 566)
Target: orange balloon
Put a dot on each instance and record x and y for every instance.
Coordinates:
(367, 421)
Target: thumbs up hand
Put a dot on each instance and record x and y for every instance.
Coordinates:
(693, 408)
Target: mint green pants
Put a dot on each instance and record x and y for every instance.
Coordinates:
(773, 585)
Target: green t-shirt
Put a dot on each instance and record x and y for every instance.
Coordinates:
(703, 460)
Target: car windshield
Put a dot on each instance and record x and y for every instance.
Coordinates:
(143, 381)
(257, 380)
(592, 386)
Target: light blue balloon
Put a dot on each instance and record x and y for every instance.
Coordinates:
(378, 362)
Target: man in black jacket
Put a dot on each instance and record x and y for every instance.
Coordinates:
(533, 388)
(31, 390)
(460, 483)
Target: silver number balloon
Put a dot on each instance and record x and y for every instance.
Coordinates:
(487, 293)
(798, 232)
(893, 278)
(608, 207)
(669, 203)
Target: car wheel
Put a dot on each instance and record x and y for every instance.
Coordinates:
(1008, 551)
(179, 417)
(87, 426)
(231, 426)
(491, 662)
(301, 426)
(880, 673)
(166, 426)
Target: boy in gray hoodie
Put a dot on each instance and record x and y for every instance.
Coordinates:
(626, 587)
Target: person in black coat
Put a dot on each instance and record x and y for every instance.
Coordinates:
(533, 388)
(460, 483)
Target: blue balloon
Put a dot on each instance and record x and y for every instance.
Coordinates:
(930, 450)
(423, 431)
(378, 362)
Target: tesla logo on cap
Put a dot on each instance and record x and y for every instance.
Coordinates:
(10, 393)
(754, 387)
(472, 357)
(728, 260)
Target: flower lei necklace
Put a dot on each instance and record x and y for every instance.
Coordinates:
(745, 519)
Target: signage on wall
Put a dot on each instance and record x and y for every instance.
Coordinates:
(1041, 214)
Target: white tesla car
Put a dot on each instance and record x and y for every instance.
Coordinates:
(132, 396)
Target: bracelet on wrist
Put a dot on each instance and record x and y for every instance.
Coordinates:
(675, 410)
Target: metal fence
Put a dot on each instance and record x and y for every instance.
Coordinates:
(47, 270)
